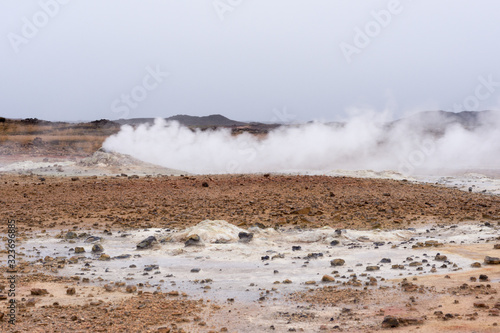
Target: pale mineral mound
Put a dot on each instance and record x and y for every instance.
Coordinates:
(104, 158)
(209, 231)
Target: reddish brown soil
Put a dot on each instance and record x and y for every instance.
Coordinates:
(119, 203)
(306, 201)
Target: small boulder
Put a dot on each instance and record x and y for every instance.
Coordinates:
(327, 278)
(440, 257)
(104, 257)
(97, 248)
(79, 249)
(146, 243)
(193, 240)
(71, 235)
(390, 322)
(372, 268)
(337, 262)
(39, 292)
(245, 237)
(131, 289)
(491, 260)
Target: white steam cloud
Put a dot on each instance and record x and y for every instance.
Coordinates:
(427, 141)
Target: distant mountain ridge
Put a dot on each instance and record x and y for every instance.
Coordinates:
(186, 120)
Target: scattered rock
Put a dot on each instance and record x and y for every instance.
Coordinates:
(337, 262)
(483, 278)
(71, 235)
(193, 240)
(131, 289)
(146, 243)
(372, 268)
(195, 270)
(334, 242)
(496, 246)
(97, 248)
(481, 305)
(79, 249)
(39, 292)
(104, 257)
(296, 248)
(393, 322)
(204, 184)
(327, 278)
(245, 237)
(390, 322)
(70, 291)
(92, 239)
(440, 257)
(491, 260)
(305, 210)
(385, 261)
(475, 264)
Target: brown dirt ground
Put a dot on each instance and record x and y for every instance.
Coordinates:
(243, 200)
(118, 203)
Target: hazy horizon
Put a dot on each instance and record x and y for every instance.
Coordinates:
(280, 61)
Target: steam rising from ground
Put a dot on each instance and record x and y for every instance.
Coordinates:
(428, 141)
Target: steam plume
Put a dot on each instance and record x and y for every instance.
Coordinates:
(424, 142)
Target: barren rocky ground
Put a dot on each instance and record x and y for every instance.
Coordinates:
(460, 301)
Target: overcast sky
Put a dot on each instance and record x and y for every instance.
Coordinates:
(263, 60)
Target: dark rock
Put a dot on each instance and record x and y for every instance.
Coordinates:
(97, 248)
(264, 258)
(334, 242)
(385, 260)
(204, 184)
(314, 255)
(147, 243)
(39, 292)
(492, 260)
(245, 237)
(327, 278)
(483, 277)
(92, 239)
(193, 240)
(440, 257)
(71, 235)
(337, 262)
(296, 248)
(372, 268)
(195, 270)
(390, 322)
(79, 249)
(122, 256)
